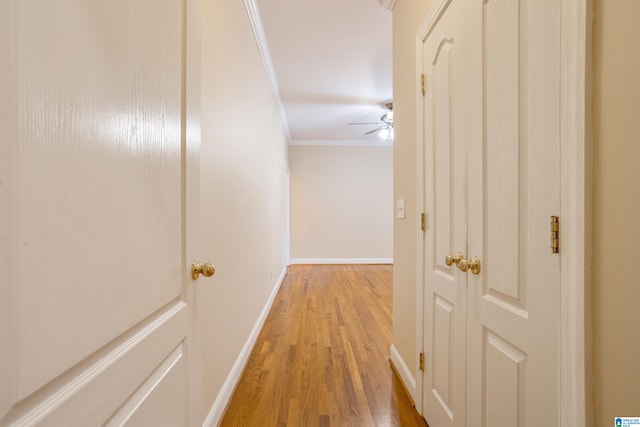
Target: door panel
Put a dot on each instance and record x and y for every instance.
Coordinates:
(443, 184)
(89, 395)
(445, 198)
(97, 202)
(153, 403)
(513, 318)
(505, 372)
(441, 372)
(505, 151)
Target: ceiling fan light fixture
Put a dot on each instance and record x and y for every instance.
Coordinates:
(385, 125)
(386, 133)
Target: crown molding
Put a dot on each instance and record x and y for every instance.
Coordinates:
(265, 54)
(342, 142)
(387, 4)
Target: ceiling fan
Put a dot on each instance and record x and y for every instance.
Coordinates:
(385, 125)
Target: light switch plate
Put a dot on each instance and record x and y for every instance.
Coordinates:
(400, 208)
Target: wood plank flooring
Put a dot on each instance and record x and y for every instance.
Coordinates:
(322, 358)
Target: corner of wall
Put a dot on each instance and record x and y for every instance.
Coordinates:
(404, 372)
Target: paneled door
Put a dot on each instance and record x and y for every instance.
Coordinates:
(513, 167)
(445, 154)
(491, 156)
(96, 292)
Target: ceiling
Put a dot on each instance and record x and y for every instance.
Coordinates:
(330, 64)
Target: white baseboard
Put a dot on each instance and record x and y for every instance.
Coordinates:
(405, 374)
(342, 261)
(220, 404)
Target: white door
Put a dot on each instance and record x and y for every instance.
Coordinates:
(510, 135)
(445, 153)
(513, 315)
(96, 311)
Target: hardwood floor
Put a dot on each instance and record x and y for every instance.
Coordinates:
(322, 358)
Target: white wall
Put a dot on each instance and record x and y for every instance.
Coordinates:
(341, 204)
(407, 17)
(243, 183)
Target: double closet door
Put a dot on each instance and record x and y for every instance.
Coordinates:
(490, 138)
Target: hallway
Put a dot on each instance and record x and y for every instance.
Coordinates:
(322, 357)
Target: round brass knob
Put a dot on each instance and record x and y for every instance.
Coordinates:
(474, 265)
(207, 270)
(450, 260)
(463, 265)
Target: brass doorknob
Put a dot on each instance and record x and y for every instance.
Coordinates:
(474, 265)
(207, 270)
(450, 260)
(463, 265)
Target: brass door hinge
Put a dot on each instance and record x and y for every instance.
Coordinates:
(555, 239)
(422, 84)
(422, 361)
(423, 221)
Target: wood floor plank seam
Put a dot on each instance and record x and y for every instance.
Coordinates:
(322, 357)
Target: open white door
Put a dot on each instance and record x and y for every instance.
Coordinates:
(96, 320)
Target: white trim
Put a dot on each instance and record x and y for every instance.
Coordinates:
(420, 208)
(222, 400)
(430, 20)
(405, 374)
(265, 54)
(343, 142)
(342, 261)
(575, 206)
(387, 4)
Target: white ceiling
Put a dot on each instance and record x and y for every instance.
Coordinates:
(332, 64)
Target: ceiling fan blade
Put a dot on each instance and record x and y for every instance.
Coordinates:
(374, 131)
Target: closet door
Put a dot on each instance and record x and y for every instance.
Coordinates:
(491, 162)
(513, 166)
(445, 187)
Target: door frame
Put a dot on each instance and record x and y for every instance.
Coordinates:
(575, 190)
